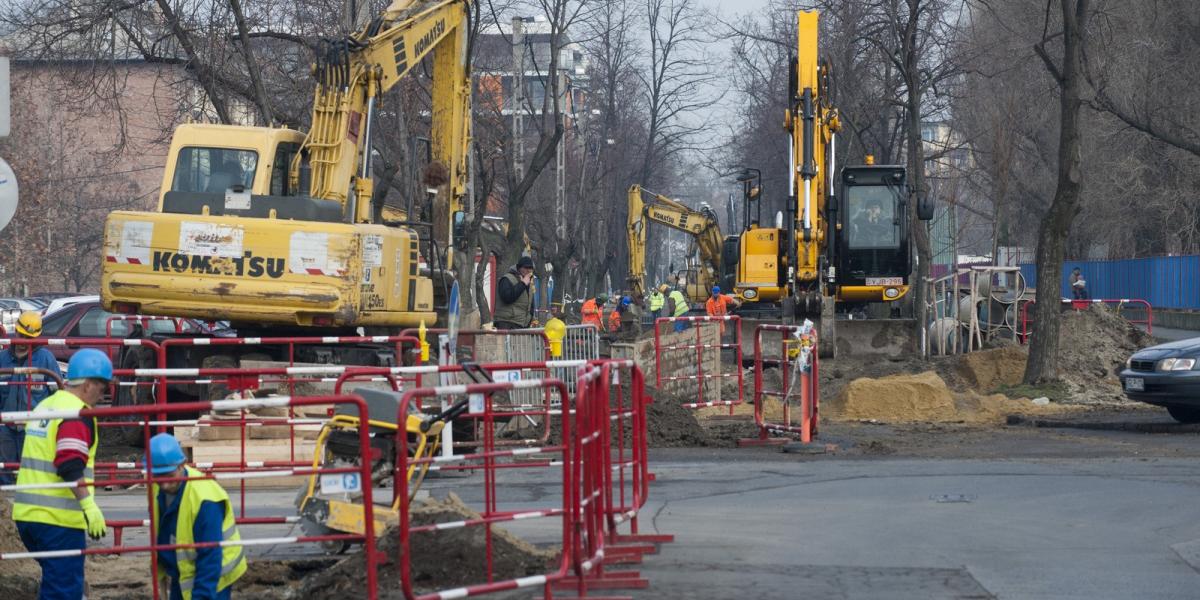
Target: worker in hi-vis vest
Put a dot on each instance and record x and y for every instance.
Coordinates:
(194, 511)
(58, 450)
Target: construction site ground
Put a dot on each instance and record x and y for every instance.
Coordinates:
(956, 486)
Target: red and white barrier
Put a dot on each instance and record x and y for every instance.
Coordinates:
(661, 350)
(798, 366)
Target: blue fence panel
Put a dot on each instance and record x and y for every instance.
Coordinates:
(1163, 281)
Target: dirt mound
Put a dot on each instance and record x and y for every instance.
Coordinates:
(669, 424)
(446, 559)
(987, 370)
(1092, 348)
(924, 398)
(19, 576)
(896, 398)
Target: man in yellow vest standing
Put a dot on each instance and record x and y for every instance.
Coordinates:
(59, 450)
(193, 511)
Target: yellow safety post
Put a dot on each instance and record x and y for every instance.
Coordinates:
(556, 330)
(424, 344)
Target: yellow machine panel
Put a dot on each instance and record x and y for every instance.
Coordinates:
(264, 270)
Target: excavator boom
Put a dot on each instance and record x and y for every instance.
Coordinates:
(646, 207)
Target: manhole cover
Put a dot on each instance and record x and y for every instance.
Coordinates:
(953, 498)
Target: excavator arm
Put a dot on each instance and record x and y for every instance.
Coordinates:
(647, 207)
(354, 72)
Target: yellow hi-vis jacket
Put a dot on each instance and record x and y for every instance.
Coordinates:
(233, 559)
(681, 303)
(52, 506)
(657, 300)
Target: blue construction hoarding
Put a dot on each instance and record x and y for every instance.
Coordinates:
(1163, 281)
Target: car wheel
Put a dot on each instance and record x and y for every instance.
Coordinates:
(1185, 414)
(139, 395)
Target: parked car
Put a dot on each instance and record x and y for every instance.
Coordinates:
(59, 303)
(88, 320)
(1166, 375)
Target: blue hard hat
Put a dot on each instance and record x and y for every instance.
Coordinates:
(716, 289)
(626, 300)
(89, 363)
(165, 454)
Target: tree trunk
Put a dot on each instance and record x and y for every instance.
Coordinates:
(919, 231)
(1042, 364)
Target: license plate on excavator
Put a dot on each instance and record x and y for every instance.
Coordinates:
(885, 281)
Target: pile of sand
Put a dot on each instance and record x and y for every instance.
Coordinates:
(440, 560)
(987, 370)
(923, 398)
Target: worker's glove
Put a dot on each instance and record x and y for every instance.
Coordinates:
(96, 527)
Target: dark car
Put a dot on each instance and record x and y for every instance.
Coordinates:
(89, 320)
(1166, 375)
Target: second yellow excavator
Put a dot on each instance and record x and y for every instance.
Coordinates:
(703, 270)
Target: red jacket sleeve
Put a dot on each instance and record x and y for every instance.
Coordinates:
(71, 448)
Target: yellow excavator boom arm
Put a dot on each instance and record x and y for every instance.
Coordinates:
(647, 207)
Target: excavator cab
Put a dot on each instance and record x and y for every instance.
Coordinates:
(871, 247)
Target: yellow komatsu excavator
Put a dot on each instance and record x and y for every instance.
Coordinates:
(833, 250)
(274, 230)
(702, 273)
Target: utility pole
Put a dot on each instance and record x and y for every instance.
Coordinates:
(518, 40)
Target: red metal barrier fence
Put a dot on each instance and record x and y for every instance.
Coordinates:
(664, 353)
(363, 471)
(1082, 304)
(602, 445)
(798, 368)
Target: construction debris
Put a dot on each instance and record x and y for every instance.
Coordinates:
(447, 559)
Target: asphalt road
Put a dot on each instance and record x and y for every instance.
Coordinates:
(1011, 513)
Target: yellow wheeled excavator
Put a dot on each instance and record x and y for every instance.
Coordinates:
(274, 230)
(703, 269)
(837, 249)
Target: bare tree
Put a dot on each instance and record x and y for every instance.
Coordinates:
(1068, 73)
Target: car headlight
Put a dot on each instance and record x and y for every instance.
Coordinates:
(750, 294)
(1129, 363)
(1176, 364)
(891, 293)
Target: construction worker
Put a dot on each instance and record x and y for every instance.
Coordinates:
(20, 395)
(193, 511)
(677, 306)
(614, 318)
(515, 308)
(718, 305)
(593, 311)
(61, 450)
(657, 300)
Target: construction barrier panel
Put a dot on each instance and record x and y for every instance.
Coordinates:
(492, 462)
(684, 350)
(146, 413)
(1027, 321)
(794, 357)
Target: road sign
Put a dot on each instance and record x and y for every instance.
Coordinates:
(8, 194)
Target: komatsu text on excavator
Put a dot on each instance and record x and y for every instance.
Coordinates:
(276, 230)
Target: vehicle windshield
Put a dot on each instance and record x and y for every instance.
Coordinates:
(872, 217)
(213, 170)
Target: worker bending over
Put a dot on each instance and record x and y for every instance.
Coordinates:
(58, 451)
(193, 511)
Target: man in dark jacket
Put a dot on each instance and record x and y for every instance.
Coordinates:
(515, 307)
